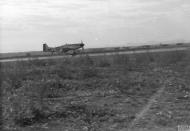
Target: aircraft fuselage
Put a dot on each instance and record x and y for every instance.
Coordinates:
(64, 48)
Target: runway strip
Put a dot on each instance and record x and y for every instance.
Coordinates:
(96, 54)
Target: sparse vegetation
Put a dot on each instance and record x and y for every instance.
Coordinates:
(91, 93)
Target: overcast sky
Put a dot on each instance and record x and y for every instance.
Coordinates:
(26, 24)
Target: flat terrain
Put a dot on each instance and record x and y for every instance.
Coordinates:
(94, 51)
(47, 55)
(134, 92)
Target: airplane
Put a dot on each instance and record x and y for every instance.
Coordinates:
(66, 49)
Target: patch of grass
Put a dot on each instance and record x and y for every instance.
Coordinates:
(88, 72)
(119, 59)
(26, 84)
(103, 61)
(65, 72)
(82, 61)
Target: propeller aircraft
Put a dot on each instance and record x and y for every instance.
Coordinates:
(71, 49)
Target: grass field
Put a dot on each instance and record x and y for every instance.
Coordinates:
(135, 92)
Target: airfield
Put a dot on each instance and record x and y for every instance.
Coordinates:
(117, 89)
(24, 56)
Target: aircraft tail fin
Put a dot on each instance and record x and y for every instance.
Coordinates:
(45, 47)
